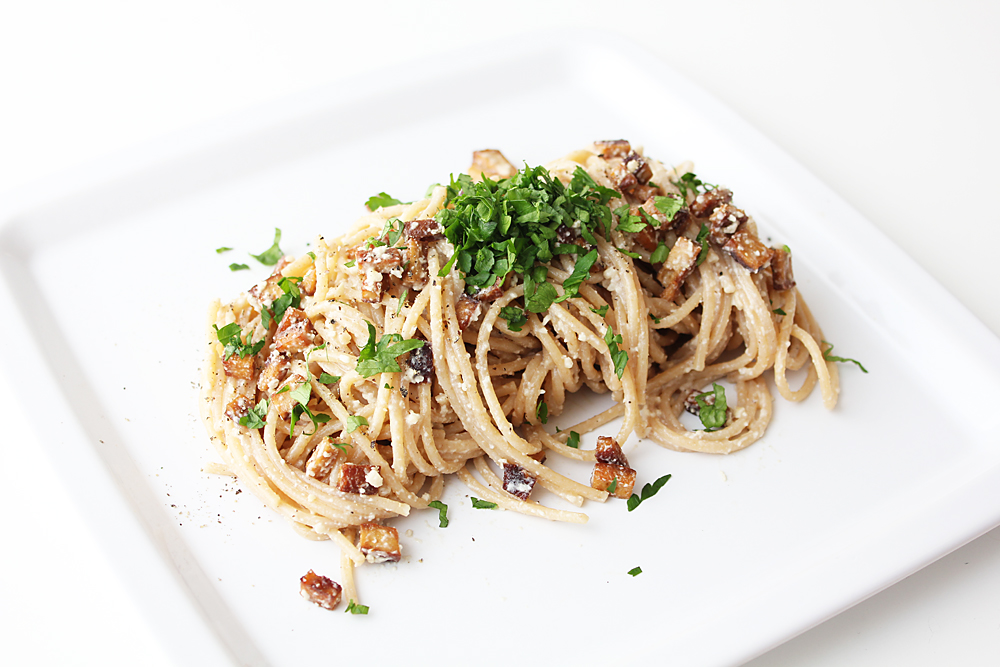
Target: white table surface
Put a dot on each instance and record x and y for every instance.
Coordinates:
(893, 104)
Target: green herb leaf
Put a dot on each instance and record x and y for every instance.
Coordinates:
(573, 440)
(355, 608)
(376, 202)
(516, 318)
(613, 485)
(231, 336)
(271, 256)
(602, 311)
(691, 183)
(660, 254)
(542, 412)
(442, 512)
(483, 504)
(702, 239)
(581, 271)
(629, 253)
(256, 417)
(380, 357)
(350, 263)
(354, 422)
(712, 415)
(635, 571)
(238, 267)
(326, 378)
(222, 249)
(830, 357)
(402, 299)
(312, 255)
(648, 491)
(342, 446)
(618, 356)
(779, 311)
(668, 206)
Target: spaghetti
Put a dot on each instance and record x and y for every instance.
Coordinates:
(343, 388)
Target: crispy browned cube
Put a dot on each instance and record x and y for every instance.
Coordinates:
(323, 459)
(282, 399)
(724, 222)
(705, 203)
(269, 290)
(613, 148)
(361, 478)
(781, 269)
(608, 451)
(467, 310)
(320, 590)
(517, 481)
(647, 238)
(238, 407)
(747, 250)
(491, 163)
(415, 274)
(308, 284)
(681, 261)
(421, 362)
(295, 333)
(605, 474)
(379, 544)
(638, 167)
(239, 367)
(275, 370)
(423, 230)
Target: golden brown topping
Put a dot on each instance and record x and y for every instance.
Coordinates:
(379, 544)
(372, 264)
(423, 230)
(781, 269)
(295, 333)
(238, 407)
(613, 148)
(647, 238)
(605, 474)
(323, 459)
(517, 481)
(724, 222)
(320, 590)
(415, 275)
(467, 310)
(492, 164)
(608, 451)
(282, 399)
(706, 202)
(359, 478)
(680, 263)
(308, 284)
(241, 368)
(275, 369)
(636, 165)
(748, 251)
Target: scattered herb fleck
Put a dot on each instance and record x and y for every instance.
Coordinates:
(271, 256)
(573, 440)
(483, 504)
(830, 357)
(648, 491)
(442, 512)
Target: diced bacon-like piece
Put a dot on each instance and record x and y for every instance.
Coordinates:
(421, 365)
(322, 460)
(238, 407)
(613, 148)
(308, 284)
(646, 237)
(415, 275)
(748, 251)
(358, 478)
(238, 367)
(636, 165)
(267, 291)
(282, 399)
(275, 370)
(320, 590)
(781, 269)
(605, 474)
(379, 544)
(491, 293)
(680, 263)
(724, 222)
(608, 451)
(491, 163)
(467, 310)
(372, 264)
(517, 481)
(706, 202)
(427, 229)
(295, 333)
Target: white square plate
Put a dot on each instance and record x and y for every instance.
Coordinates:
(108, 273)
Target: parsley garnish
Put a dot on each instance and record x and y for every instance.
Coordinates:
(238, 267)
(402, 299)
(326, 378)
(629, 253)
(660, 254)
(222, 249)
(301, 394)
(256, 417)
(618, 356)
(350, 263)
(702, 239)
(613, 485)
(573, 440)
(381, 199)
(542, 412)
(668, 206)
(712, 415)
(515, 317)
(380, 357)
(635, 571)
(442, 512)
(342, 446)
(232, 337)
(691, 183)
(355, 608)
(829, 357)
(648, 491)
(483, 504)
(779, 311)
(628, 222)
(271, 256)
(292, 298)
(580, 273)
(602, 311)
(354, 422)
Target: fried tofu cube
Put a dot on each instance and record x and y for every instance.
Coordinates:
(320, 590)
(610, 452)
(275, 370)
(322, 460)
(238, 408)
(241, 368)
(360, 478)
(748, 251)
(605, 474)
(379, 544)
(295, 333)
(681, 261)
(282, 399)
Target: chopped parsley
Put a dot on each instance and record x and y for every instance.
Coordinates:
(573, 440)
(232, 337)
(291, 298)
(542, 412)
(380, 200)
(668, 206)
(326, 378)
(301, 394)
(516, 318)
(602, 311)
(702, 239)
(271, 256)
(580, 273)
(635, 571)
(442, 512)
(354, 422)
(256, 417)
(691, 183)
(613, 485)
(238, 267)
(342, 446)
(629, 253)
(829, 357)
(350, 263)
(628, 222)
(618, 356)
(402, 299)
(712, 415)
(779, 311)
(222, 249)
(354, 608)
(648, 491)
(660, 254)
(483, 504)
(380, 357)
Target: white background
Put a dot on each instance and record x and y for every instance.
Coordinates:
(893, 104)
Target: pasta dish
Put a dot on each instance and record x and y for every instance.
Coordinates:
(438, 337)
